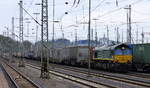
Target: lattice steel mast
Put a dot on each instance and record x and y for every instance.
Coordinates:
(21, 63)
(44, 37)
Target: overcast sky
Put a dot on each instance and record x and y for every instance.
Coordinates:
(106, 11)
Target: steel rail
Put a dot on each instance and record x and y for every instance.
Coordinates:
(24, 76)
(142, 75)
(10, 80)
(80, 80)
(108, 76)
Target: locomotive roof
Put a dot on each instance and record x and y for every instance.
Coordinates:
(72, 47)
(111, 47)
(77, 47)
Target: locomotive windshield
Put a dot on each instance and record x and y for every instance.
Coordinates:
(118, 52)
(123, 52)
(127, 52)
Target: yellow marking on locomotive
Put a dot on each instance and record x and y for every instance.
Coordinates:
(117, 59)
(103, 59)
(122, 58)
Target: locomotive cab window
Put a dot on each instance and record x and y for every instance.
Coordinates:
(95, 54)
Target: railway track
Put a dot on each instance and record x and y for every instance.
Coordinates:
(85, 82)
(124, 80)
(97, 73)
(143, 75)
(19, 79)
(10, 81)
(135, 74)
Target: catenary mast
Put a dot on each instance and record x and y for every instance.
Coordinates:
(44, 37)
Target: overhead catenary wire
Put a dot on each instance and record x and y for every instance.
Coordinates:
(31, 16)
(31, 2)
(76, 2)
(142, 13)
(109, 12)
(102, 15)
(70, 10)
(112, 11)
(98, 5)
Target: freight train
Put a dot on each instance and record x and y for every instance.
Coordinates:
(112, 58)
(117, 57)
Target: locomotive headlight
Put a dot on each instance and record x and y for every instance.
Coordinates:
(123, 48)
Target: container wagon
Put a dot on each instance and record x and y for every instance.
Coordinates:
(141, 57)
(74, 55)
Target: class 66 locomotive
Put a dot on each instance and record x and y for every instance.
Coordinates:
(114, 58)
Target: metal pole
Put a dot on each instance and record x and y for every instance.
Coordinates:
(96, 31)
(83, 18)
(7, 33)
(92, 37)
(142, 36)
(63, 36)
(89, 39)
(130, 24)
(36, 26)
(53, 31)
(13, 37)
(13, 28)
(37, 47)
(118, 36)
(137, 33)
(122, 36)
(127, 26)
(76, 37)
(107, 35)
(28, 22)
